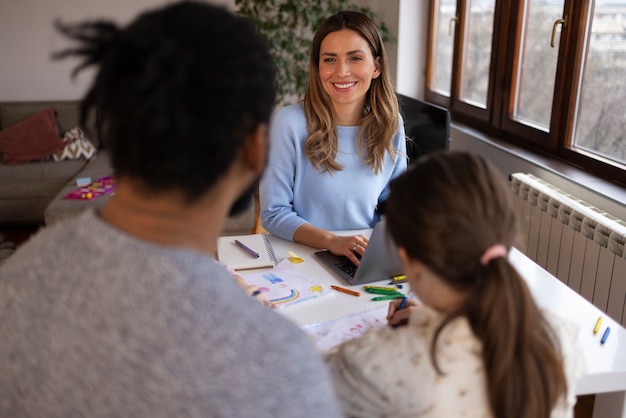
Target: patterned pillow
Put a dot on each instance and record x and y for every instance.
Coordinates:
(76, 146)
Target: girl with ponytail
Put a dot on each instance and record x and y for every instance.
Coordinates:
(473, 342)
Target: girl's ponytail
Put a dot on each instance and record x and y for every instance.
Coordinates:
(521, 353)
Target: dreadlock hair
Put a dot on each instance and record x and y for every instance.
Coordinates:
(177, 92)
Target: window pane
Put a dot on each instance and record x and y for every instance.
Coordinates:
(443, 44)
(477, 52)
(601, 120)
(536, 64)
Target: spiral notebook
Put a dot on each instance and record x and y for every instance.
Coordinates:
(229, 253)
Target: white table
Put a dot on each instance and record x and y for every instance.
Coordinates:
(606, 364)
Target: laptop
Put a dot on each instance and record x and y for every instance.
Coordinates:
(379, 261)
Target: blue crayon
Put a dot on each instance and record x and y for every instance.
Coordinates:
(607, 331)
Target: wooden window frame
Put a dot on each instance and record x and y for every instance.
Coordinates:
(494, 120)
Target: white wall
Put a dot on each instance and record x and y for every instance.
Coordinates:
(387, 11)
(412, 47)
(509, 158)
(28, 38)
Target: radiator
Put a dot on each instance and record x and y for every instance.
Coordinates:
(579, 244)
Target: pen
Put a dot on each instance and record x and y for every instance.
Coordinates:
(597, 327)
(344, 290)
(387, 297)
(607, 331)
(247, 249)
(402, 306)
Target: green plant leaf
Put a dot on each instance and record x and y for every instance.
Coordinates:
(288, 27)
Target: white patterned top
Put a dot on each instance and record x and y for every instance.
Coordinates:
(388, 372)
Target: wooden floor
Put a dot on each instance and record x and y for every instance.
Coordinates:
(20, 234)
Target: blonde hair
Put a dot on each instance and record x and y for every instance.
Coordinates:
(380, 119)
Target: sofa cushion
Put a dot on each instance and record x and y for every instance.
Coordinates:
(31, 139)
(76, 146)
(68, 115)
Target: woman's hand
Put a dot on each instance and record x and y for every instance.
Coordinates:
(397, 316)
(349, 246)
(315, 237)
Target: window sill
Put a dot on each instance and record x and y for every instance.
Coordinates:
(510, 158)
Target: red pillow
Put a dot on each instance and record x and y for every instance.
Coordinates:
(31, 139)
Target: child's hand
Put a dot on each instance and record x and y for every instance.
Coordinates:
(397, 316)
(252, 290)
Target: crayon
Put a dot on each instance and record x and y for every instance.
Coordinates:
(344, 290)
(597, 327)
(605, 335)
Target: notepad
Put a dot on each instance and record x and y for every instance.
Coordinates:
(229, 253)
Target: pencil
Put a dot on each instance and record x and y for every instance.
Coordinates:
(344, 290)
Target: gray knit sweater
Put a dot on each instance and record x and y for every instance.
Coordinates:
(94, 322)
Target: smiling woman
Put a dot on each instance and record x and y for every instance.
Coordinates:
(333, 156)
(346, 70)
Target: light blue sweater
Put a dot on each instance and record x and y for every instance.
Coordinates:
(293, 192)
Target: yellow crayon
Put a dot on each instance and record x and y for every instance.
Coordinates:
(598, 325)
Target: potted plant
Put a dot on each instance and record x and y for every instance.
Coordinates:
(288, 26)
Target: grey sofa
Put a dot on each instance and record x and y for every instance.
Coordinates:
(27, 189)
(33, 193)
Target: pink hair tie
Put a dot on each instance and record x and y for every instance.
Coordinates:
(495, 251)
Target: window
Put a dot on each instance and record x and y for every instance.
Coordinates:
(547, 74)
